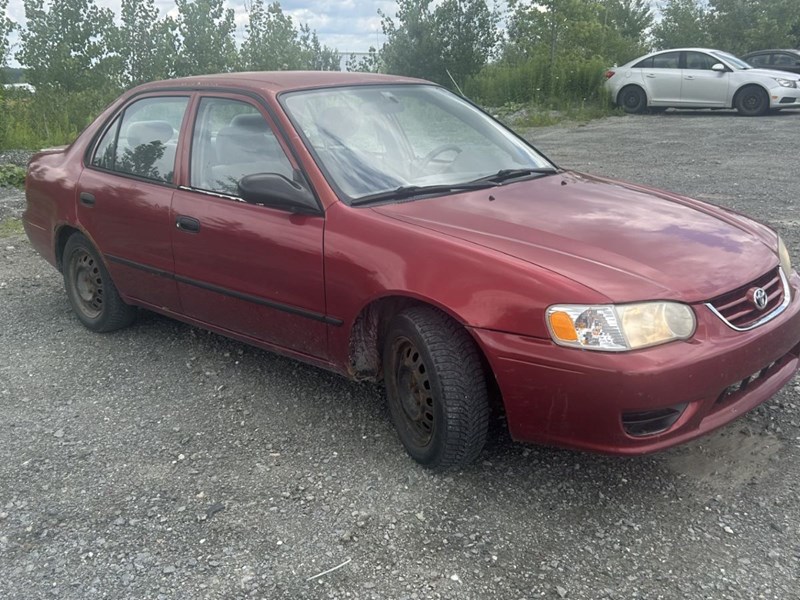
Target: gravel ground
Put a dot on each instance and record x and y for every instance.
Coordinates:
(166, 462)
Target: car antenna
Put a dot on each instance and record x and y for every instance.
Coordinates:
(454, 83)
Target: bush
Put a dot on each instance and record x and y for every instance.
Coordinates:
(47, 117)
(569, 82)
(12, 176)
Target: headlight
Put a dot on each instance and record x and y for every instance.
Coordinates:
(786, 260)
(785, 82)
(615, 328)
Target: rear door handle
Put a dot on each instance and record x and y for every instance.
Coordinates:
(87, 199)
(690, 77)
(651, 75)
(189, 224)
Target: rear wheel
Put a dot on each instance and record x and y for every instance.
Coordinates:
(632, 99)
(752, 101)
(92, 294)
(435, 388)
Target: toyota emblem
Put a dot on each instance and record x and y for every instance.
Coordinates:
(759, 298)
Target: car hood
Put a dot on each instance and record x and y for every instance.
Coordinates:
(771, 73)
(626, 242)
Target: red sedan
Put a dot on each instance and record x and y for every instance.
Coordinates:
(386, 229)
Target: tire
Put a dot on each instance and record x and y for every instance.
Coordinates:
(752, 101)
(92, 294)
(436, 388)
(632, 99)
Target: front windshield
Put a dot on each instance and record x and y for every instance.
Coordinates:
(373, 139)
(730, 58)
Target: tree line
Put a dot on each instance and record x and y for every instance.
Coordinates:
(79, 56)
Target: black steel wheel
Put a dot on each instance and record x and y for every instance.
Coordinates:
(632, 99)
(92, 294)
(752, 101)
(436, 388)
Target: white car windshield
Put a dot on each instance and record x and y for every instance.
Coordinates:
(731, 59)
(371, 140)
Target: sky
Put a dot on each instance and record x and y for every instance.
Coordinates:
(347, 25)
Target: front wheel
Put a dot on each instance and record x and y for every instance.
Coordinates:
(752, 101)
(92, 294)
(436, 388)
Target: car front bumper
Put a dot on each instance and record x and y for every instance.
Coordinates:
(781, 97)
(588, 400)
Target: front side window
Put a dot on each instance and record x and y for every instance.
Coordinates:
(232, 139)
(374, 139)
(700, 61)
(143, 141)
(761, 60)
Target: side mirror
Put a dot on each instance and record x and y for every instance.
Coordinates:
(276, 191)
(719, 68)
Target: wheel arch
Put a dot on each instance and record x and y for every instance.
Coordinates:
(367, 334)
(63, 233)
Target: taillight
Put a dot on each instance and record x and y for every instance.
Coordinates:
(609, 74)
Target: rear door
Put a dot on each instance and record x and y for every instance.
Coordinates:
(702, 86)
(247, 269)
(125, 193)
(662, 78)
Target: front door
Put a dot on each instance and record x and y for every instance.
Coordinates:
(247, 269)
(701, 85)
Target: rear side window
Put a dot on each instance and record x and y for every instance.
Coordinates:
(143, 141)
(670, 60)
(785, 60)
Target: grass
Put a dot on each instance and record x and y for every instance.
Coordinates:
(526, 115)
(11, 228)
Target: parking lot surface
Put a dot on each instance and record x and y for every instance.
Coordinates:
(163, 461)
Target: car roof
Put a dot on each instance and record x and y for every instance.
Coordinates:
(273, 82)
(789, 50)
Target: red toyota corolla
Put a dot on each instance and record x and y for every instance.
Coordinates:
(384, 228)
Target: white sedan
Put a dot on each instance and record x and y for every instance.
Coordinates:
(700, 78)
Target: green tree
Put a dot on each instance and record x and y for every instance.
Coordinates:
(412, 47)
(65, 45)
(371, 63)
(683, 23)
(205, 29)
(145, 45)
(6, 27)
(467, 31)
(740, 26)
(613, 30)
(457, 36)
(272, 43)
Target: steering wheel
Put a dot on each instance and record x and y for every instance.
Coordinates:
(428, 158)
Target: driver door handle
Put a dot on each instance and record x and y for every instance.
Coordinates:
(188, 224)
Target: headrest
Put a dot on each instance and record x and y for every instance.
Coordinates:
(253, 123)
(145, 132)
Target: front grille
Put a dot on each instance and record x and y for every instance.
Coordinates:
(649, 422)
(737, 308)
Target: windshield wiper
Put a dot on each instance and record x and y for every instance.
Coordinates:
(508, 174)
(409, 191)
